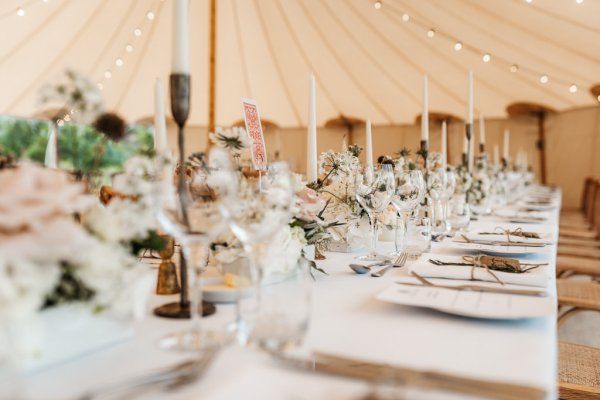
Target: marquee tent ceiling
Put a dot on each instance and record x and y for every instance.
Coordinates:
(368, 62)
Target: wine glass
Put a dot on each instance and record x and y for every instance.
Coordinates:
(374, 188)
(257, 208)
(439, 185)
(409, 192)
(194, 221)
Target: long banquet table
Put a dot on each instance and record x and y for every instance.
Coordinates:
(346, 320)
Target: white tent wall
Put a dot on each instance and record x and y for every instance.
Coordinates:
(571, 144)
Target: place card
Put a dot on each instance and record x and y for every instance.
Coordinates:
(468, 303)
(255, 132)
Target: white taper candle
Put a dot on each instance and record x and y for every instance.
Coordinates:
(506, 144)
(496, 155)
(444, 144)
(180, 62)
(369, 145)
(481, 129)
(311, 166)
(50, 160)
(160, 124)
(425, 115)
(470, 110)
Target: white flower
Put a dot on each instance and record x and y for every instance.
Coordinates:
(284, 251)
(39, 236)
(114, 276)
(122, 220)
(24, 285)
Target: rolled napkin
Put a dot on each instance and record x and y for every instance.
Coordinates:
(507, 235)
(539, 276)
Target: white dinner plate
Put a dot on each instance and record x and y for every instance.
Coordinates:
(503, 251)
(214, 290)
(472, 304)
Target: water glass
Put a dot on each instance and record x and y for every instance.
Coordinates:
(418, 236)
(438, 211)
(459, 213)
(278, 319)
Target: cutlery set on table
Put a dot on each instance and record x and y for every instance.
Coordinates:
(488, 272)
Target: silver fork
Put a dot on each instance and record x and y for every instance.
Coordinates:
(171, 378)
(398, 262)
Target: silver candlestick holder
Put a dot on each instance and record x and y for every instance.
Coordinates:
(179, 85)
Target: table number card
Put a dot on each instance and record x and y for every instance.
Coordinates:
(254, 129)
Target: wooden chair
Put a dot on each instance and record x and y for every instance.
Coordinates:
(578, 371)
(579, 296)
(583, 243)
(579, 251)
(579, 366)
(583, 225)
(570, 265)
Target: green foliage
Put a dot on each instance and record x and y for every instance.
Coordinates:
(70, 288)
(23, 138)
(355, 149)
(404, 152)
(80, 147)
(151, 242)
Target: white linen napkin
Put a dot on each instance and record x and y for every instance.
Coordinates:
(539, 276)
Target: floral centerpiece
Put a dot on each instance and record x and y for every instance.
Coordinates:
(127, 217)
(480, 189)
(287, 246)
(346, 221)
(56, 249)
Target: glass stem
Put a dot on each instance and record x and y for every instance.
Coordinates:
(197, 258)
(373, 233)
(256, 254)
(404, 224)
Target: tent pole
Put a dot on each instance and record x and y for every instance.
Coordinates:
(211, 69)
(541, 145)
(448, 146)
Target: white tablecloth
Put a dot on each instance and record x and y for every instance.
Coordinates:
(347, 319)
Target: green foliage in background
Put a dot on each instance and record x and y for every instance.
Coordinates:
(80, 147)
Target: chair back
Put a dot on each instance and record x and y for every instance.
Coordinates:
(594, 213)
(586, 194)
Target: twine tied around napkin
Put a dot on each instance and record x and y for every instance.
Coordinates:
(491, 264)
(480, 262)
(519, 232)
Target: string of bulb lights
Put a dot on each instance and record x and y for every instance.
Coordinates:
(119, 61)
(22, 8)
(128, 48)
(486, 57)
(431, 32)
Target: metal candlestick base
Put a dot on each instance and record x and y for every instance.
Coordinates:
(424, 152)
(469, 133)
(179, 311)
